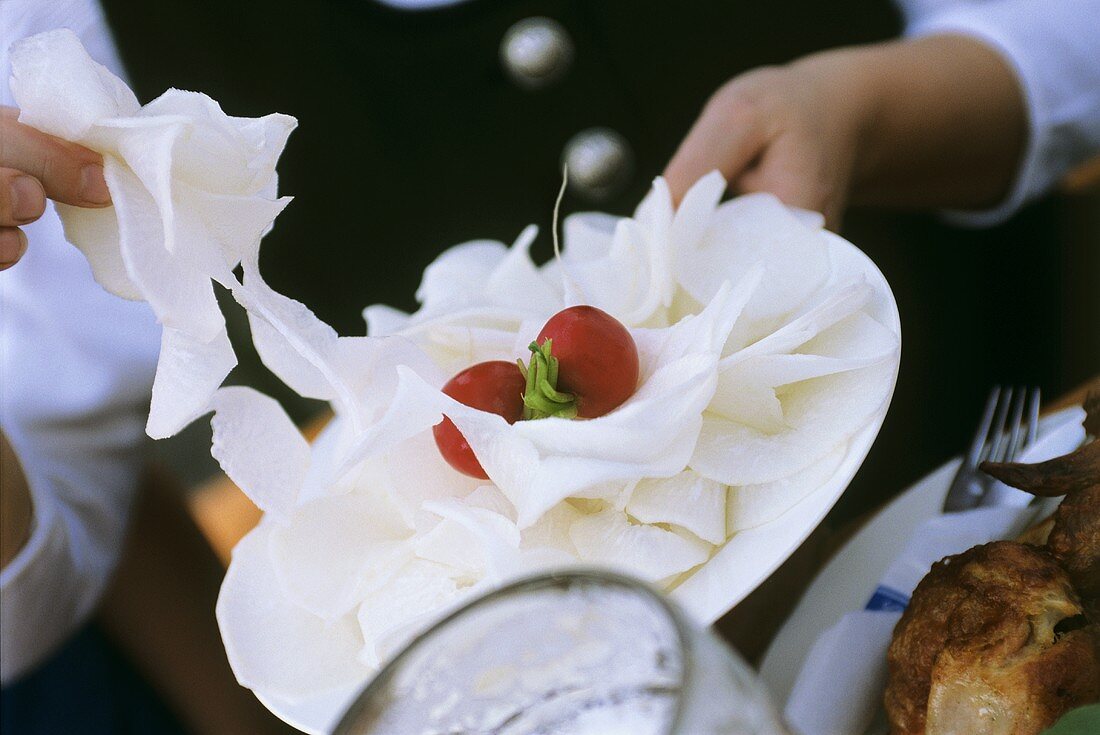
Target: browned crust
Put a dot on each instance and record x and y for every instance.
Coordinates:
(989, 615)
(1075, 541)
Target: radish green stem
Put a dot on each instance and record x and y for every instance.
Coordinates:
(541, 398)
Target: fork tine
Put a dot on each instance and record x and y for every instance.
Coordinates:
(1000, 437)
(1013, 445)
(1033, 416)
(974, 454)
(996, 439)
(965, 490)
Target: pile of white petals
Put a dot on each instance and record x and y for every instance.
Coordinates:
(760, 360)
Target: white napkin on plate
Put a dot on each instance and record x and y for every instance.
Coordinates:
(839, 689)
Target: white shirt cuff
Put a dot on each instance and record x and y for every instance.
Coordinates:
(1051, 51)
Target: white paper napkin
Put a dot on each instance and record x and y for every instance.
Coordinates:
(839, 689)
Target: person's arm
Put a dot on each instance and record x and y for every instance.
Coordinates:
(986, 104)
(15, 504)
(944, 126)
(931, 122)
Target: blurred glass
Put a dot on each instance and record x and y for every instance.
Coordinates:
(573, 653)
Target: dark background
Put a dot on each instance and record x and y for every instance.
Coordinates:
(413, 139)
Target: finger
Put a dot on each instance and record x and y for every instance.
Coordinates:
(790, 187)
(799, 177)
(729, 134)
(794, 191)
(68, 172)
(22, 198)
(13, 243)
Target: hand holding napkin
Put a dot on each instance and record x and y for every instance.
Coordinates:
(193, 192)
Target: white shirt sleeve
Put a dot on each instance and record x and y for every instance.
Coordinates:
(1054, 48)
(76, 369)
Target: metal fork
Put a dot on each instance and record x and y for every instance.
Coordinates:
(1000, 436)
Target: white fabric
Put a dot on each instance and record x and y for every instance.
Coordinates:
(1054, 48)
(76, 368)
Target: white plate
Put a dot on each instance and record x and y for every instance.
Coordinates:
(751, 555)
(849, 579)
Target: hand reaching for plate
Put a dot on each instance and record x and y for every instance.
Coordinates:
(932, 122)
(774, 129)
(34, 166)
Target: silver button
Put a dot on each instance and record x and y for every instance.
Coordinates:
(536, 52)
(600, 162)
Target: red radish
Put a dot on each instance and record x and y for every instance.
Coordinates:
(497, 387)
(585, 364)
